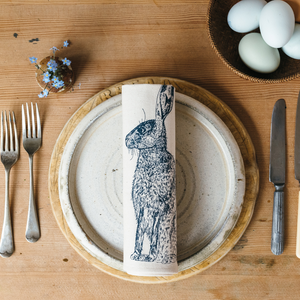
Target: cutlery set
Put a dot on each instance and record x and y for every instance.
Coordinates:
(32, 140)
(277, 170)
(9, 152)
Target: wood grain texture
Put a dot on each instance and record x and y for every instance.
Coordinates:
(113, 41)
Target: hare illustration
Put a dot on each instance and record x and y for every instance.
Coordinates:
(153, 186)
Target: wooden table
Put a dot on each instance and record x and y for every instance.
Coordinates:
(112, 41)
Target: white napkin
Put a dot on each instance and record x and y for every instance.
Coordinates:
(149, 180)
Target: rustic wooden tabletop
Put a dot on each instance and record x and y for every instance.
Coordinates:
(112, 41)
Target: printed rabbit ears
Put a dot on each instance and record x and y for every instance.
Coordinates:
(164, 102)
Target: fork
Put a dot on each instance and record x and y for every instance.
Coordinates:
(9, 156)
(32, 143)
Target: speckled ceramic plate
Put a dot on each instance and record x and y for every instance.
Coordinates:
(210, 182)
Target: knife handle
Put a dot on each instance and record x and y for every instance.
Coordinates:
(298, 230)
(277, 243)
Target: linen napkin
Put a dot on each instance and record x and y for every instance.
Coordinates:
(149, 180)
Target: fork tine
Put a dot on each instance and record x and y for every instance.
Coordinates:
(10, 133)
(23, 124)
(33, 121)
(38, 122)
(28, 122)
(6, 131)
(16, 133)
(1, 131)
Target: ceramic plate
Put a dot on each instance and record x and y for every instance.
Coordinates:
(210, 182)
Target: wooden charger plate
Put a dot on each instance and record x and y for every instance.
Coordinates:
(215, 105)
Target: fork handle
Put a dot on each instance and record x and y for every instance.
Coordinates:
(7, 241)
(32, 233)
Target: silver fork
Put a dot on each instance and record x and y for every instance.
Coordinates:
(32, 141)
(9, 156)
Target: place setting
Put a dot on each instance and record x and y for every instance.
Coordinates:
(154, 179)
(216, 178)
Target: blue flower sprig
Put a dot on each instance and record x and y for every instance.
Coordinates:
(54, 74)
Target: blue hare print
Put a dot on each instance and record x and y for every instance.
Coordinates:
(153, 186)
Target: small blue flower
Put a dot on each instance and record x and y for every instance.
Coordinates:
(52, 62)
(47, 75)
(52, 65)
(46, 79)
(52, 68)
(56, 85)
(54, 49)
(66, 44)
(55, 79)
(66, 61)
(41, 95)
(61, 83)
(33, 59)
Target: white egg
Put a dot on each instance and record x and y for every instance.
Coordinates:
(276, 23)
(244, 15)
(257, 55)
(292, 48)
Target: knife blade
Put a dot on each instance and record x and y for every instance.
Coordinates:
(277, 174)
(297, 170)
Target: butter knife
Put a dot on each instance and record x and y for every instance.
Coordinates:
(277, 174)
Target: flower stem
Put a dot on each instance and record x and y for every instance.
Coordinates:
(39, 68)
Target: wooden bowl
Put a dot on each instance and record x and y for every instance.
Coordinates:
(68, 76)
(225, 42)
